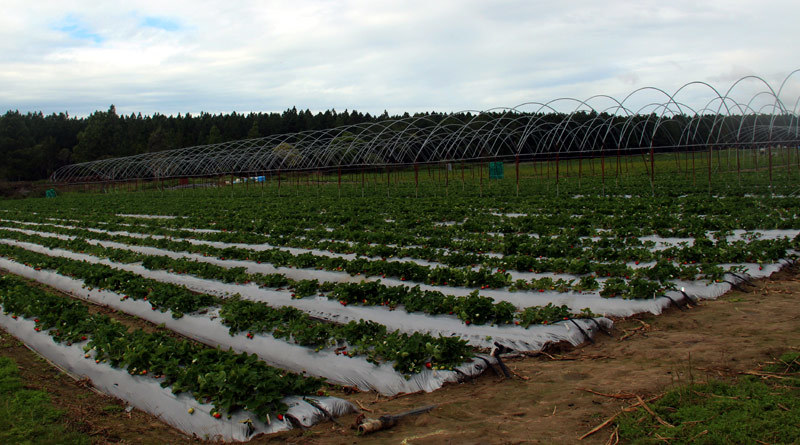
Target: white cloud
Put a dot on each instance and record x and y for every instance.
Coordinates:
(193, 56)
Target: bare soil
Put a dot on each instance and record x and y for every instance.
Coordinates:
(101, 417)
(551, 403)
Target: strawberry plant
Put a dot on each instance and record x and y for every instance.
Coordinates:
(230, 381)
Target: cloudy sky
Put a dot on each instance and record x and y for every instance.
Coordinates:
(172, 56)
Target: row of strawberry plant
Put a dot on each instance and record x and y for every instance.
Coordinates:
(668, 216)
(405, 270)
(231, 381)
(374, 293)
(569, 257)
(408, 352)
(548, 215)
(625, 215)
(644, 281)
(408, 355)
(522, 252)
(470, 309)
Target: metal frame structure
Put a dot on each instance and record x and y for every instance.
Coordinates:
(528, 131)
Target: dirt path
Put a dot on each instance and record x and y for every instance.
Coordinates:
(717, 339)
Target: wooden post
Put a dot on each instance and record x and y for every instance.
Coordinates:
(557, 167)
(769, 155)
(516, 166)
(738, 166)
(797, 157)
(446, 178)
(788, 161)
(710, 160)
(603, 170)
(480, 175)
(339, 175)
(416, 180)
(652, 169)
(547, 161)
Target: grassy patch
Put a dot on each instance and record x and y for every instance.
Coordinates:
(762, 408)
(113, 409)
(28, 416)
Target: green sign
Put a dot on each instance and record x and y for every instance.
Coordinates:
(495, 170)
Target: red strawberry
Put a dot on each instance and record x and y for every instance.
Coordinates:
(216, 415)
(428, 365)
(83, 337)
(280, 416)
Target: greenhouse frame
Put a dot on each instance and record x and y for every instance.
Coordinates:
(527, 132)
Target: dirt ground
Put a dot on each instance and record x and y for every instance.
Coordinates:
(549, 404)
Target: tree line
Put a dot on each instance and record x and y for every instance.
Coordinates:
(33, 145)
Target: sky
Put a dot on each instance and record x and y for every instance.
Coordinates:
(180, 56)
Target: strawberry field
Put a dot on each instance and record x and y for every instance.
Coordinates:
(282, 294)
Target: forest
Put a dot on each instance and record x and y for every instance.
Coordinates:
(33, 145)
